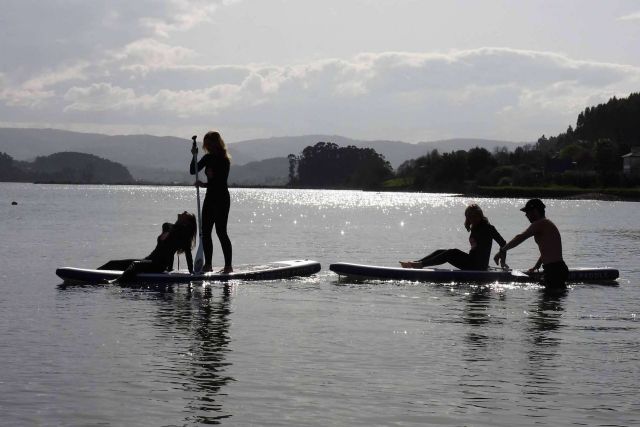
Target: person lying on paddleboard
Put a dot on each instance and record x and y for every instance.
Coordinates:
(481, 238)
(178, 237)
(549, 242)
(215, 209)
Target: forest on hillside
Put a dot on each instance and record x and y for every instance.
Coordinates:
(589, 156)
(67, 167)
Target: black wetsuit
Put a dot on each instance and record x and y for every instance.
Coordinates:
(215, 209)
(123, 264)
(481, 237)
(160, 259)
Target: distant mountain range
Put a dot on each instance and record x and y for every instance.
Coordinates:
(165, 159)
(395, 152)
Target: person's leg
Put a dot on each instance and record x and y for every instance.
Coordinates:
(137, 267)
(429, 259)
(459, 259)
(118, 264)
(555, 275)
(221, 220)
(424, 262)
(208, 217)
(455, 257)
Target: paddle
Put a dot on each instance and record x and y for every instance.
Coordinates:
(198, 262)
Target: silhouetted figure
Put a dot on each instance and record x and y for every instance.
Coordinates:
(215, 209)
(549, 243)
(481, 239)
(178, 237)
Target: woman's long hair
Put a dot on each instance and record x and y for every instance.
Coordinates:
(214, 144)
(473, 210)
(187, 232)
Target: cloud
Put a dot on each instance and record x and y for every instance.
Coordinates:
(102, 97)
(630, 17)
(54, 77)
(183, 15)
(61, 31)
(144, 55)
(486, 92)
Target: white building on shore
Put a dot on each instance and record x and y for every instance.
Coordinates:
(631, 162)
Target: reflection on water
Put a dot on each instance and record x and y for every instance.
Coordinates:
(197, 319)
(207, 320)
(476, 314)
(544, 339)
(204, 320)
(311, 353)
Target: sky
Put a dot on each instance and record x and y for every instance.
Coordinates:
(403, 70)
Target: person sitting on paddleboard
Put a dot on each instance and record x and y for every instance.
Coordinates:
(549, 242)
(481, 238)
(215, 209)
(178, 237)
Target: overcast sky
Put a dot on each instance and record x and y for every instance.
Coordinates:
(369, 69)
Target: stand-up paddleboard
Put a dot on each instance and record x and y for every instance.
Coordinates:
(269, 271)
(360, 271)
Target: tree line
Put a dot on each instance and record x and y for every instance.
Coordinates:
(327, 165)
(588, 156)
(67, 167)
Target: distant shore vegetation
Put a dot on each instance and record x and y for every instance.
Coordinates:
(600, 157)
(65, 167)
(326, 165)
(580, 160)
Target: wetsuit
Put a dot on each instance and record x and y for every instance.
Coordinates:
(160, 259)
(481, 239)
(215, 209)
(123, 264)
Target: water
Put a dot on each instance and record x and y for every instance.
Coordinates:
(311, 352)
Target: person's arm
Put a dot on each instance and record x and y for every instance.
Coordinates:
(187, 255)
(201, 164)
(501, 256)
(497, 237)
(537, 266)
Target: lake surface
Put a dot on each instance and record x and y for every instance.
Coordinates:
(314, 351)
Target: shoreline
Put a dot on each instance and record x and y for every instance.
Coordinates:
(602, 194)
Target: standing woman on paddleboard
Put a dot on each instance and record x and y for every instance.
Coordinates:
(215, 210)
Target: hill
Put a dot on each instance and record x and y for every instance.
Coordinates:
(270, 172)
(67, 167)
(134, 151)
(164, 159)
(395, 152)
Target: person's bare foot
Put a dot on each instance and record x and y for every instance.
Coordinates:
(206, 268)
(228, 269)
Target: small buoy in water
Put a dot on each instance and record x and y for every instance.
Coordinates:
(14, 203)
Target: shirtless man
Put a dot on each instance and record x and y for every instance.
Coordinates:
(547, 237)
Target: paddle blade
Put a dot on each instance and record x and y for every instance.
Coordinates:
(198, 262)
